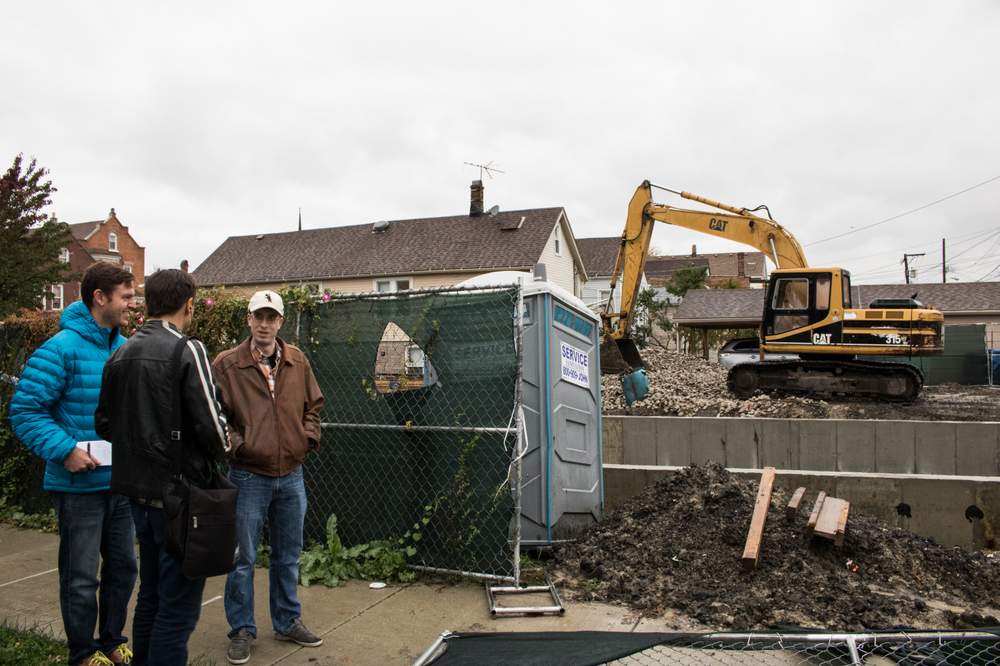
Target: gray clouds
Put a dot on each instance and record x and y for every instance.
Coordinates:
(202, 121)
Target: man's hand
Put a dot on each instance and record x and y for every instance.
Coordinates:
(79, 461)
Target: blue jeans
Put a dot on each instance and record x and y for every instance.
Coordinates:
(282, 500)
(95, 532)
(169, 604)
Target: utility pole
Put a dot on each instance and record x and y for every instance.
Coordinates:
(944, 265)
(906, 264)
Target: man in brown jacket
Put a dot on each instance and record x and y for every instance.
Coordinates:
(272, 403)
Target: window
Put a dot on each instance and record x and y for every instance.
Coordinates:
(823, 293)
(113, 242)
(57, 297)
(847, 291)
(392, 285)
(791, 294)
(128, 267)
(64, 255)
(558, 248)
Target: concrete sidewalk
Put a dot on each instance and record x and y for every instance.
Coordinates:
(360, 626)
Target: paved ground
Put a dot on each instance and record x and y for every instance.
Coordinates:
(360, 626)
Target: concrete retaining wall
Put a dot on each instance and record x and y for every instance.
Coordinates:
(883, 447)
(937, 503)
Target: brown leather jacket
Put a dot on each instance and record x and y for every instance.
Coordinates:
(269, 437)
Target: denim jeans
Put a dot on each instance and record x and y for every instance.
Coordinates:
(282, 501)
(169, 604)
(95, 533)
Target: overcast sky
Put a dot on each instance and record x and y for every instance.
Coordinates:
(198, 121)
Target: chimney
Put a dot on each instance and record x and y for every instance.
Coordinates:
(741, 264)
(476, 202)
(694, 250)
(184, 265)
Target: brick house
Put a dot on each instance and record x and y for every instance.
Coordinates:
(103, 240)
(398, 255)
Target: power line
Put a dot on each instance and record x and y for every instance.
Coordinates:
(952, 240)
(908, 212)
(951, 259)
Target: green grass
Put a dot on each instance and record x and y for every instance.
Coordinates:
(21, 645)
(37, 646)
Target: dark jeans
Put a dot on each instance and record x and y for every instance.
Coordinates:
(282, 501)
(169, 604)
(95, 533)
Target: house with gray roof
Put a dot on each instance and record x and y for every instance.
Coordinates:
(599, 256)
(396, 255)
(960, 302)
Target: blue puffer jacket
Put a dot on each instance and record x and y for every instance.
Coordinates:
(53, 405)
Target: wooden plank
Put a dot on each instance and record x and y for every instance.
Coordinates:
(814, 514)
(830, 516)
(751, 551)
(842, 524)
(793, 504)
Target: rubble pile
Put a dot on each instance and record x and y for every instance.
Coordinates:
(685, 385)
(676, 550)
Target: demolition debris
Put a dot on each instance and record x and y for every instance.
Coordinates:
(684, 385)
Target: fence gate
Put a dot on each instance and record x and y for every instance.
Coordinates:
(420, 424)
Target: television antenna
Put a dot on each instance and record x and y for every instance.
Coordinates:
(487, 168)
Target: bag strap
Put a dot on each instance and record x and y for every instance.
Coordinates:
(177, 408)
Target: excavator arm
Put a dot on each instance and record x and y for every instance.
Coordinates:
(736, 224)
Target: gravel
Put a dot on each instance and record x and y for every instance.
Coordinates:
(685, 385)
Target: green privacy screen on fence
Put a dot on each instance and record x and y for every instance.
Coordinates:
(418, 425)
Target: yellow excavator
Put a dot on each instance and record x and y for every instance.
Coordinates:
(807, 311)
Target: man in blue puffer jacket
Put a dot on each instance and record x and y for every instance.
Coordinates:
(51, 412)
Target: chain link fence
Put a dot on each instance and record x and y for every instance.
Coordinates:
(824, 650)
(818, 649)
(420, 425)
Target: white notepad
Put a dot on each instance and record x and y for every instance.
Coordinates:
(99, 449)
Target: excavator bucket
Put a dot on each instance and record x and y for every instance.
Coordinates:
(618, 356)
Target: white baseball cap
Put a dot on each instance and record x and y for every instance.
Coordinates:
(267, 299)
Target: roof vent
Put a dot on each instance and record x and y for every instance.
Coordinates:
(260, 236)
(380, 226)
(511, 224)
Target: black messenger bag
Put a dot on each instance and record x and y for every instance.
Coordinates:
(200, 518)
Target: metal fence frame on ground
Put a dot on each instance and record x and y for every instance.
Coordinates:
(961, 648)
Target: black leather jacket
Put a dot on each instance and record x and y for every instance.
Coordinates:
(135, 407)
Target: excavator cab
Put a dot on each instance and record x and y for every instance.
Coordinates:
(805, 306)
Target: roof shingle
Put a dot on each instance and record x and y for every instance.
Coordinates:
(599, 254)
(440, 244)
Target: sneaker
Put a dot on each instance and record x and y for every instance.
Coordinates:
(122, 654)
(299, 634)
(239, 647)
(97, 659)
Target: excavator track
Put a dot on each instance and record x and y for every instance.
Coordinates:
(892, 382)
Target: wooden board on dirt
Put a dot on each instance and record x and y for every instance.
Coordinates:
(751, 551)
(793, 504)
(832, 522)
(814, 514)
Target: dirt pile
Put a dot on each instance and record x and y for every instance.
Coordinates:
(684, 385)
(678, 546)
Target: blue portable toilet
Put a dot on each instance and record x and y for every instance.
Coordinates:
(562, 488)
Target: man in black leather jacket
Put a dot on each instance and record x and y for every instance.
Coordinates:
(134, 414)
